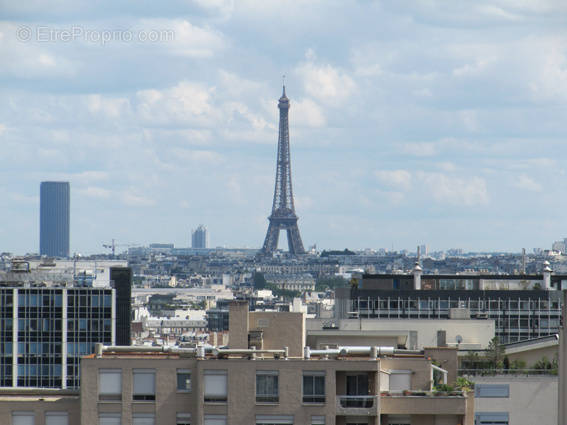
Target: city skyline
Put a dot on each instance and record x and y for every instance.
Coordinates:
(420, 123)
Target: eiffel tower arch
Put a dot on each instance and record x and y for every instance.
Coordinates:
(283, 215)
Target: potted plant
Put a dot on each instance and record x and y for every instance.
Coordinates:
(442, 389)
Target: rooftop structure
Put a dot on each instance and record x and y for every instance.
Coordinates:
(523, 307)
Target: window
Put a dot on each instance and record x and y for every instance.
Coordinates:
(215, 420)
(491, 418)
(183, 419)
(399, 419)
(267, 386)
(110, 384)
(143, 419)
(317, 420)
(184, 380)
(144, 384)
(274, 419)
(109, 419)
(215, 385)
(56, 418)
(314, 387)
(400, 380)
(492, 390)
(23, 418)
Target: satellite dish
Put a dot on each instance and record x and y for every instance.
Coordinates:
(459, 339)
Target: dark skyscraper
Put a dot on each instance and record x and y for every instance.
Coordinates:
(54, 219)
(200, 237)
(121, 278)
(283, 211)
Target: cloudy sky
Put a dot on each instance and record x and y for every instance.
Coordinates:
(412, 122)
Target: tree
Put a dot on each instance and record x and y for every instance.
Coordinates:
(495, 353)
(331, 282)
(259, 280)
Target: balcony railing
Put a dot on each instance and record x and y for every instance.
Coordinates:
(493, 372)
(356, 401)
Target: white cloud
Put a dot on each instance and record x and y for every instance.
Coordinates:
(324, 82)
(198, 156)
(28, 59)
(94, 192)
(109, 106)
(421, 148)
(454, 190)
(307, 113)
(400, 179)
(135, 200)
(470, 120)
(550, 81)
(236, 110)
(178, 37)
(187, 103)
(446, 166)
(426, 149)
(527, 183)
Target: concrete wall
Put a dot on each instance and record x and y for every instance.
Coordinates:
(533, 399)
(39, 404)
(532, 356)
(421, 376)
(474, 333)
(352, 339)
(446, 358)
(168, 401)
(280, 329)
(238, 324)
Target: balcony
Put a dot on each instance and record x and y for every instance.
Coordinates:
(424, 403)
(366, 405)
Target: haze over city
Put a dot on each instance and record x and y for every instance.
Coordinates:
(410, 122)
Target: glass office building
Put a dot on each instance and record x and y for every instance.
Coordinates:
(54, 219)
(45, 328)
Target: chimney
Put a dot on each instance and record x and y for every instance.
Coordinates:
(417, 272)
(238, 324)
(546, 276)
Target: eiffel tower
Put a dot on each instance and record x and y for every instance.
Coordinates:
(283, 211)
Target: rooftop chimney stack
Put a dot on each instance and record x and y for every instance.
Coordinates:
(417, 272)
(546, 276)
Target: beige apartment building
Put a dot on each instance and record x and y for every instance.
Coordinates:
(131, 386)
(267, 376)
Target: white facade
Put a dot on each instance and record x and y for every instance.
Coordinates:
(474, 334)
(530, 400)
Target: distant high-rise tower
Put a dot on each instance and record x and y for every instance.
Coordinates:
(283, 211)
(54, 219)
(200, 237)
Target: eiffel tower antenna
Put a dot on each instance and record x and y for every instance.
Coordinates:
(283, 215)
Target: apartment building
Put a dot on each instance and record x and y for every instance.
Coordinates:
(265, 387)
(158, 386)
(522, 306)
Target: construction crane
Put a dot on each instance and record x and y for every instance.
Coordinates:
(113, 246)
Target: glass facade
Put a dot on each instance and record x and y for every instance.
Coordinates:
(89, 313)
(54, 219)
(48, 330)
(518, 315)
